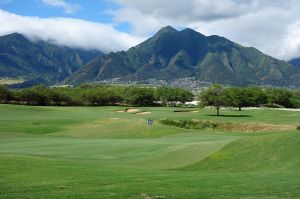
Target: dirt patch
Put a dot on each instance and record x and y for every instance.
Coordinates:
(143, 113)
(132, 110)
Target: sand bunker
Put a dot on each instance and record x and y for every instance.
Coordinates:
(143, 113)
(186, 111)
(132, 110)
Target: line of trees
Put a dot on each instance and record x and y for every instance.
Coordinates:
(219, 96)
(91, 95)
(95, 96)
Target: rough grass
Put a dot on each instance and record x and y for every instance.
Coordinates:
(95, 152)
(226, 126)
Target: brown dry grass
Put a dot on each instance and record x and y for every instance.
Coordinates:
(248, 127)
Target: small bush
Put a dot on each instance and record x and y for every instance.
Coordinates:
(298, 128)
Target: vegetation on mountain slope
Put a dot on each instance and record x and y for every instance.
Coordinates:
(172, 54)
(38, 61)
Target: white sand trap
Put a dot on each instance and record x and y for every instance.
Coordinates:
(132, 110)
(143, 113)
(187, 111)
(115, 118)
(120, 111)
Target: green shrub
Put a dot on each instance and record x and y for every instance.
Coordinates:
(190, 124)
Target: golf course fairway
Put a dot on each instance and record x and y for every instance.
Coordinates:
(105, 152)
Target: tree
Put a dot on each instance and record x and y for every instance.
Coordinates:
(295, 99)
(59, 98)
(139, 96)
(163, 95)
(214, 96)
(280, 97)
(238, 97)
(101, 96)
(171, 96)
(37, 95)
(256, 96)
(5, 94)
(183, 96)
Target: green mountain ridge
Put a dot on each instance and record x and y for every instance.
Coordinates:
(172, 54)
(39, 61)
(295, 62)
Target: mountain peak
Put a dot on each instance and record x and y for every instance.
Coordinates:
(167, 29)
(15, 35)
(190, 31)
(170, 55)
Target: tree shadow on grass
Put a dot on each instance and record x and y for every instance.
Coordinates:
(229, 115)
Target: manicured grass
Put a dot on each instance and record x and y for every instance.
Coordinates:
(278, 152)
(95, 152)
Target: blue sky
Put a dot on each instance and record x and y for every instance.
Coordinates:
(91, 10)
(272, 26)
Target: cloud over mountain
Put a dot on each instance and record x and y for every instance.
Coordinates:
(70, 32)
(270, 25)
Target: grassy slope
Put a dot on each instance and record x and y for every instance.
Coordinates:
(70, 152)
(278, 152)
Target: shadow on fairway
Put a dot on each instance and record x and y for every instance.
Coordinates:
(229, 115)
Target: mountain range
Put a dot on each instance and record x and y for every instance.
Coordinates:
(167, 56)
(171, 54)
(295, 62)
(39, 61)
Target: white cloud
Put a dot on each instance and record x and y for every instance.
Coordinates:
(69, 32)
(67, 7)
(272, 26)
(291, 43)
